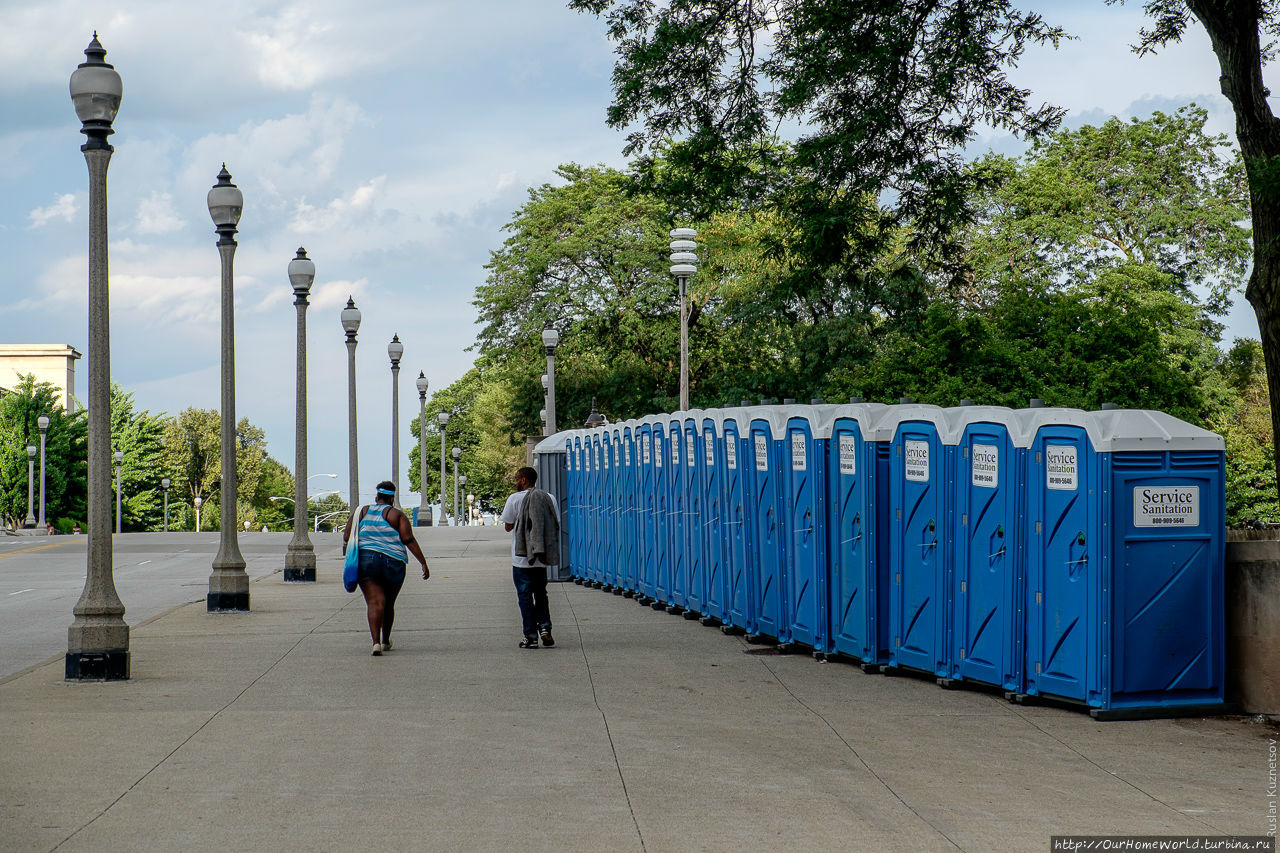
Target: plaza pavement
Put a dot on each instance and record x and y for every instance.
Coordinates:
(275, 730)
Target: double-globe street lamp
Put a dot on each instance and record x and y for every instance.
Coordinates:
(300, 558)
(443, 417)
(98, 638)
(684, 263)
(424, 507)
(229, 582)
(550, 339)
(351, 325)
(395, 351)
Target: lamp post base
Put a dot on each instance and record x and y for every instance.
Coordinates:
(107, 665)
(226, 602)
(300, 564)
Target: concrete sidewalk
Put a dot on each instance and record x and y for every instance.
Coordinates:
(276, 730)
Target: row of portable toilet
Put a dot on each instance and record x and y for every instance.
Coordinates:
(1047, 552)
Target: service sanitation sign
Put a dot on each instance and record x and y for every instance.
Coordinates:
(1061, 472)
(986, 466)
(1166, 506)
(916, 459)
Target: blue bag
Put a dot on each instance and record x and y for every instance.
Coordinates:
(351, 565)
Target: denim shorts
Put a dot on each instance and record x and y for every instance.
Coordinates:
(387, 572)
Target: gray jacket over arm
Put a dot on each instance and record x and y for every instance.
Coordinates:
(537, 532)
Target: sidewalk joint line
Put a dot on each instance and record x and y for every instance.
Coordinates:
(856, 755)
(626, 795)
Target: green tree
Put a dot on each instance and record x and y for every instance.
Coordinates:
(192, 454)
(66, 443)
(140, 437)
(1155, 192)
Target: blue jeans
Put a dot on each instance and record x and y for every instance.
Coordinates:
(531, 592)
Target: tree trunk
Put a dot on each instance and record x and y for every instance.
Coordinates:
(1233, 29)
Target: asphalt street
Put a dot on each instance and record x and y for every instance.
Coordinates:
(41, 579)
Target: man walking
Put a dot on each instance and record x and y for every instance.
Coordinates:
(533, 519)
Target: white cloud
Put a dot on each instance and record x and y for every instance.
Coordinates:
(64, 208)
(344, 212)
(156, 215)
(281, 159)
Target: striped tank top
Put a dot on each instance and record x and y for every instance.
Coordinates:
(377, 534)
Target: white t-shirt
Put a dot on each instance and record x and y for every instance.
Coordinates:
(511, 512)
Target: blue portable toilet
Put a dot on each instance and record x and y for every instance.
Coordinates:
(646, 515)
(1126, 535)
(715, 608)
(589, 507)
(919, 548)
(608, 545)
(628, 514)
(662, 541)
(806, 555)
(768, 427)
(735, 426)
(987, 558)
(858, 513)
(678, 557)
(598, 476)
(692, 476)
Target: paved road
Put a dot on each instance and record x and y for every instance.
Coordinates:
(42, 578)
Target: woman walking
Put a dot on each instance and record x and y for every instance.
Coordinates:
(385, 534)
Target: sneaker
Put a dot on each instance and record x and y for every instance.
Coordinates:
(547, 639)
(386, 647)
(529, 643)
(377, 650)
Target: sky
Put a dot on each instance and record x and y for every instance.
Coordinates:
(392, 140)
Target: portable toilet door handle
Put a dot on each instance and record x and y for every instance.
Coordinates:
(1000, 548)
(855, 527)
(1075, 566)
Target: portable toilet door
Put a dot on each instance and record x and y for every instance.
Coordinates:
(621, 542)
(714, 610)
(662, 518)
(589, 508)
(768, 426)
(804, 487)
(608, 545)
(1163, 486)
(676, 512)
(647, 566)
(986, 527)
(627, 524)
(738, 559)
(918, 546)
(1063, 556)
(597, 509)
(858, 511)
(572, 496)
(695, 569)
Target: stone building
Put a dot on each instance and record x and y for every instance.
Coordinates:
(52, 363)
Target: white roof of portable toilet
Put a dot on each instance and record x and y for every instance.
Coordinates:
(960, 417)
(886, 428)
(1121, 430)
(866, 414)
(554, 443)
(776, 416)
